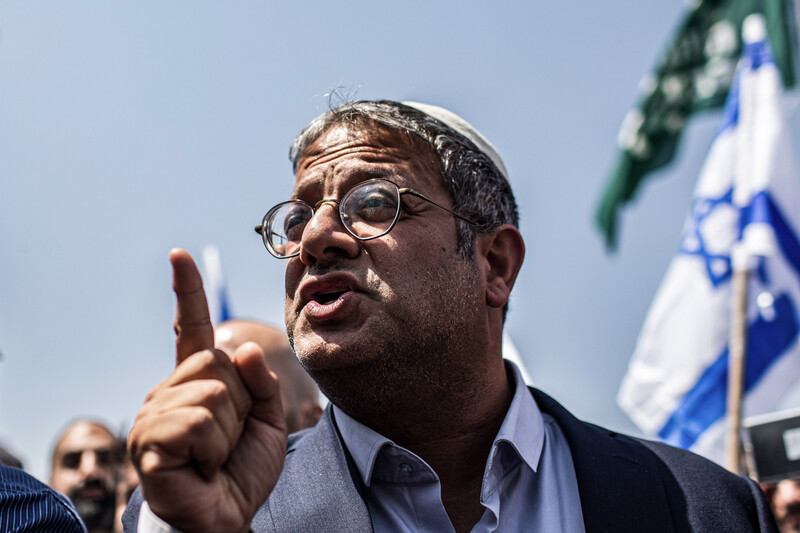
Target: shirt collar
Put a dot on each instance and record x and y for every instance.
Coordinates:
(522, 429)
(362, 442)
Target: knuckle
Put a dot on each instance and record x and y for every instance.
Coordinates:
(212, 359)
(221, 358)
(200, 422)
(216, 393)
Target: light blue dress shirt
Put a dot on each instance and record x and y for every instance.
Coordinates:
(529, 482)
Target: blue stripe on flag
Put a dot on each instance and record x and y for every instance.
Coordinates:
(762, 209)
(705, 402)
(787, 239)
(758, 211)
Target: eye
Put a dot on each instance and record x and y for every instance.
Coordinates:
(294, 221)
(71, 460)
(372, 204)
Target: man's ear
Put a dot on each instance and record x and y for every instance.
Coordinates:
(502, 252)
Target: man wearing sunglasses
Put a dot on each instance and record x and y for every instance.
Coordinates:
(401, 247)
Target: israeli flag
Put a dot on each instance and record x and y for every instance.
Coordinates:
(215, 287)
(745, 210)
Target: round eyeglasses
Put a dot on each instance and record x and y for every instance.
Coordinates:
(367, 211)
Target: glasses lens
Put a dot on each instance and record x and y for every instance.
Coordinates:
(284, 227)
(371, 208)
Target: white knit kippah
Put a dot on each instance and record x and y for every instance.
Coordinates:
(464, 128)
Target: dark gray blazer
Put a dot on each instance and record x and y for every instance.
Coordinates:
(625, 484)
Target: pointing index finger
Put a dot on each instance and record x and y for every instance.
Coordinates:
(192, 322)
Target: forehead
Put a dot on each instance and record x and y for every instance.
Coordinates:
(84, 437)
(358, 151)
(788, 487)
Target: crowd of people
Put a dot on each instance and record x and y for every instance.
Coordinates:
(402, 247)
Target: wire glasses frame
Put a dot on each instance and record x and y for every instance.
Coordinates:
(367, 211)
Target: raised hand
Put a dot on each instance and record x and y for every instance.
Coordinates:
(210, 440)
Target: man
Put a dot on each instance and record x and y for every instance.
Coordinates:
(299, 393)
(784, 498)
(29, 506)
(401, 248)
(84, 463)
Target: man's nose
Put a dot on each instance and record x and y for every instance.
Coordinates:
(91, 467)
(325, 237)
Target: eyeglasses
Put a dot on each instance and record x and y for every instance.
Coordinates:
(368, 211)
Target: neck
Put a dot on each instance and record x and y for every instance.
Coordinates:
(454, 438)
(414, 407)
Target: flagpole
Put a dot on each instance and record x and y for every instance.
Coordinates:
(737, 358)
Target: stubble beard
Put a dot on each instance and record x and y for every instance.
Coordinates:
(98, 515)
(418, 359)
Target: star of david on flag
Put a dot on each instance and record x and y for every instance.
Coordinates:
(746, 207)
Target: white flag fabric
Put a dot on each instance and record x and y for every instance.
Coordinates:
(215, 286)
(747, 200)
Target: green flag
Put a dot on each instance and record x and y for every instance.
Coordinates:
(694, 75)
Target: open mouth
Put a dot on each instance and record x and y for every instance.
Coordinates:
(328, 297)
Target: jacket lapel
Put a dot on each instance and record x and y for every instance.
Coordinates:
(316, 491)
(618, 478)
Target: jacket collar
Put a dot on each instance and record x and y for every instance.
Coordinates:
(619, 479)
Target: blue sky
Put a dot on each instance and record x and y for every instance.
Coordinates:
(128, 128)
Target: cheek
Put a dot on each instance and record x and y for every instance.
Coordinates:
(292, 278)
(63, 480)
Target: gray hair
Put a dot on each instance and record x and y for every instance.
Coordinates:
(480, 191)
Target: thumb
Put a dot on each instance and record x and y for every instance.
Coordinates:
(263, 441)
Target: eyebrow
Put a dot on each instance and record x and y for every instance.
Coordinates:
(356, 177)
(373, 173)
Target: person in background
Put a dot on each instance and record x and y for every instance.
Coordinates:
(83, 467)
(299, 393)
(784, 498)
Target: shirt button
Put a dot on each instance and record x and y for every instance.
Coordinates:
(406, 468)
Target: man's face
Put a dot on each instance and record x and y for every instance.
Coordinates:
(83, 469)
(406, 297)
(786, 505)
